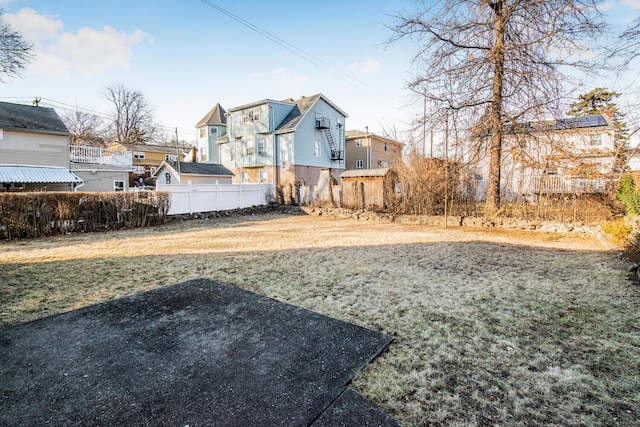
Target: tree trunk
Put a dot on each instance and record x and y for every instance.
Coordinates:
(495, 148)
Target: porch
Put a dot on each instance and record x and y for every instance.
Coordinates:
(100, 156)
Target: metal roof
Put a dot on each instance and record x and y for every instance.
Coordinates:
(37, 175)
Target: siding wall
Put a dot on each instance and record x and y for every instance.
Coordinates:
(26, 148)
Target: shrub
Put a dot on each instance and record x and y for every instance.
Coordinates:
(35, 214)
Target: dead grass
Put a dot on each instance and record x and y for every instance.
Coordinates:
(490, 327)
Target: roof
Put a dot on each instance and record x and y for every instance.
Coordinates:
(192, 168)
(355, 134)
(303, 105)
(359, 173)
(214, 117)
(30, 118)
(567, 123)
(37, 174)
(148, 148)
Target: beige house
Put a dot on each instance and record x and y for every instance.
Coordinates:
(147, 158)
(34, 150)
(365, 150)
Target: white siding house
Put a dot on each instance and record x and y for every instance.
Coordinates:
(571, 155)
(34, 150)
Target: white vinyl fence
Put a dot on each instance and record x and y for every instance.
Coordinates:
(191, 198)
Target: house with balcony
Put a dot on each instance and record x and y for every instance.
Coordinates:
(147, 158)
(288, 143)
(366, 150)
(101, 169)
(34, 150)
(569, 155)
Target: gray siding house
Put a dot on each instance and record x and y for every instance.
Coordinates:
(286, 143)
(34, 150)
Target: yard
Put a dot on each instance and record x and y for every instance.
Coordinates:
(490, 326)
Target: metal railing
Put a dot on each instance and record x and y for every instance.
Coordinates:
(100, 156)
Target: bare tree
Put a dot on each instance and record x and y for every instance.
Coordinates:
(15, 52)
(498, 60)
(85, 128)
(132, 119)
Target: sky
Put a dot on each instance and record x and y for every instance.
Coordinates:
(186, 56)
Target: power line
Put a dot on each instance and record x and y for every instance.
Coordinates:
(349, 79)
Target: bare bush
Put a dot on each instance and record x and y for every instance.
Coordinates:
(36, 214)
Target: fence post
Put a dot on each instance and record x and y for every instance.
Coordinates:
(190, 189)
(217, 193)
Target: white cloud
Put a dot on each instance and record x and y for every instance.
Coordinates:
(3, 2)
(88, 52)
(366, 67)
(603, 7)
(635, 4)
(34, 27)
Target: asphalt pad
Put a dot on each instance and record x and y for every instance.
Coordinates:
(199, 353)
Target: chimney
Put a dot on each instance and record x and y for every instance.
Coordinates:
(194, 155)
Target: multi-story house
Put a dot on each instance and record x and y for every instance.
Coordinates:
(287, 143)
(34, 150)
(570, 155)
(212, 127)
(365, 150)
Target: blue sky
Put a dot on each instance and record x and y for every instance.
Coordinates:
(186, 56)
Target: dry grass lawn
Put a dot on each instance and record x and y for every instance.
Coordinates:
(490, 327)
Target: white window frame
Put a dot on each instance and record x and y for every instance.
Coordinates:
(138, 155)
(232, 154)
(201, 132)
(261, 146)
(285, 159)
(116, 186)
(358, 143)
(203, 154)
(595, 140)
(214, 132)
(244, 176)
(263, 176)
(317, 150)
(359, 164)
(171, 157)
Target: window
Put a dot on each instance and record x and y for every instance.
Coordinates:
(214, 132)
(285, 159)
(249, 151)
(118, 185)
(138, 155)
(358, 143)
(477, 174)
(385, 146)
(244, 176)
(251, 115)
(263, 176)
(171, 157)
(316, 151)
(232, 154)
(203, 154)
(201, 132)
(359, 164)
(260, 146)
(596, 140)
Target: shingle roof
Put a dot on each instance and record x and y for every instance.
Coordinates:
(297, 113)
(214, 117)
(27, 117)
(191, 168)
(37, 174)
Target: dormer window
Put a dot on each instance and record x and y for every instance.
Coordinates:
(252, 115)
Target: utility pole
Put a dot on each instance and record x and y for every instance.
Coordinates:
(424, 127)
(177, 151)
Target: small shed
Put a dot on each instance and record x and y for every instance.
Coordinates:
(368, 188)
(197, 173)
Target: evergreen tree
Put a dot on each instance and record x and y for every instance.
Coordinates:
(602, 101)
